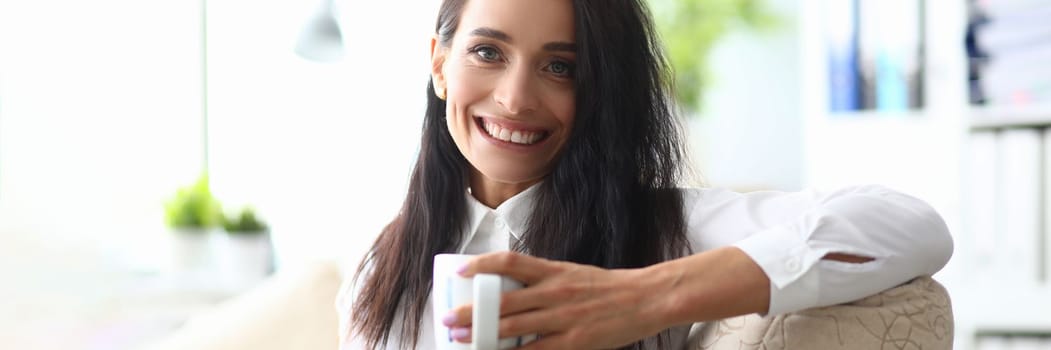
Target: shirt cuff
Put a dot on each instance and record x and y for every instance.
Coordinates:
(788, 261)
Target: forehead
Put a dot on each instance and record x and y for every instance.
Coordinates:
(525, 21)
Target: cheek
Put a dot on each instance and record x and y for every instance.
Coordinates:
(461, 91)
(465, 86)
(565, 110)
(456, 121)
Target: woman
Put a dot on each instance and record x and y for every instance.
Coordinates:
(554, 112)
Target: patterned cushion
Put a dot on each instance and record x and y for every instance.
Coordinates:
(916, 315)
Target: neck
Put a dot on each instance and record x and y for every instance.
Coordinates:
(493, 193)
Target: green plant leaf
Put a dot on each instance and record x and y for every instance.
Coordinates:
(244, 222)
(193, 207)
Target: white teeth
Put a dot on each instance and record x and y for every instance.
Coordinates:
(514, 136)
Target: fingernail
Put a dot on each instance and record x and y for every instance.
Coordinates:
(461, 333)
(449, 319)
(462, 269)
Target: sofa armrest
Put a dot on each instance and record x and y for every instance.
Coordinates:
(291, 310)
(915, 315)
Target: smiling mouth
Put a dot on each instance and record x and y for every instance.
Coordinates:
(507, 134)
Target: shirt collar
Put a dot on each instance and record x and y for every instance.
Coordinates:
(515, 212)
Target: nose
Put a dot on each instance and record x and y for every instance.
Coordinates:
(516, 92)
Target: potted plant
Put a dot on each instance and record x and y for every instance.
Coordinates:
(245, 252)
(244, 223)
(192, 214)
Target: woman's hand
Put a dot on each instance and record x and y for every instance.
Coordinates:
(571, 306)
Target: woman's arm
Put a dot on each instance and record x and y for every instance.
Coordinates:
(821, 249)
(735, 286)
(760, 253)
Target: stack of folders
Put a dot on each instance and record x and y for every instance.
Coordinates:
(1010, 46)
(1013, 342)
(1007, 200)
(875, 54)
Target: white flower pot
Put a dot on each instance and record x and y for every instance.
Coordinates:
(190, 250)
(191, 261)
(243, 259)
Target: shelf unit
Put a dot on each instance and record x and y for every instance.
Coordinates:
(923, 152)
(987, 118)
(995, 308)
(1017, 311)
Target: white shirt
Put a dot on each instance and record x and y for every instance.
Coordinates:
(785, 233)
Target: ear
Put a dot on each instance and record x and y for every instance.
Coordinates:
(437, 66)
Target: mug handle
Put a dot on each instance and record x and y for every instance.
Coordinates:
(486, 312)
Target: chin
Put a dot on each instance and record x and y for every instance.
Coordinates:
(511, 174)
(514, 178)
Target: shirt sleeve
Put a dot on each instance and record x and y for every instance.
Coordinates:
(788, 233)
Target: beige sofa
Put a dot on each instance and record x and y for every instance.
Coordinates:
(294, 310)
(913, 316)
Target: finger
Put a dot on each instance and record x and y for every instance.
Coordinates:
(510, 303)
(546, 294)
(534, 322)
(461, 334)
(572, 322)
(522, 312)
(459, 316)
(523, 268)
(540, 296)
(547, 342)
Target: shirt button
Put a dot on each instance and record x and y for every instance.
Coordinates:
(792, 265)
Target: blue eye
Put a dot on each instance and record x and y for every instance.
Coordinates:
(561, 68)
(486, 53)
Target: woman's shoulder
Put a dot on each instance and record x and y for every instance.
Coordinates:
(693, 194)
(696, 197)
(766, 191)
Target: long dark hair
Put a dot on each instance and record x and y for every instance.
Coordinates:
(610, 200)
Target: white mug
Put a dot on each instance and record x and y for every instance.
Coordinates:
(483, 292)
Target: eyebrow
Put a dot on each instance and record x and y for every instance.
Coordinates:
(499, 35)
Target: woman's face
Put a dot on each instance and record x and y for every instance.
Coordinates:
(508, 77)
